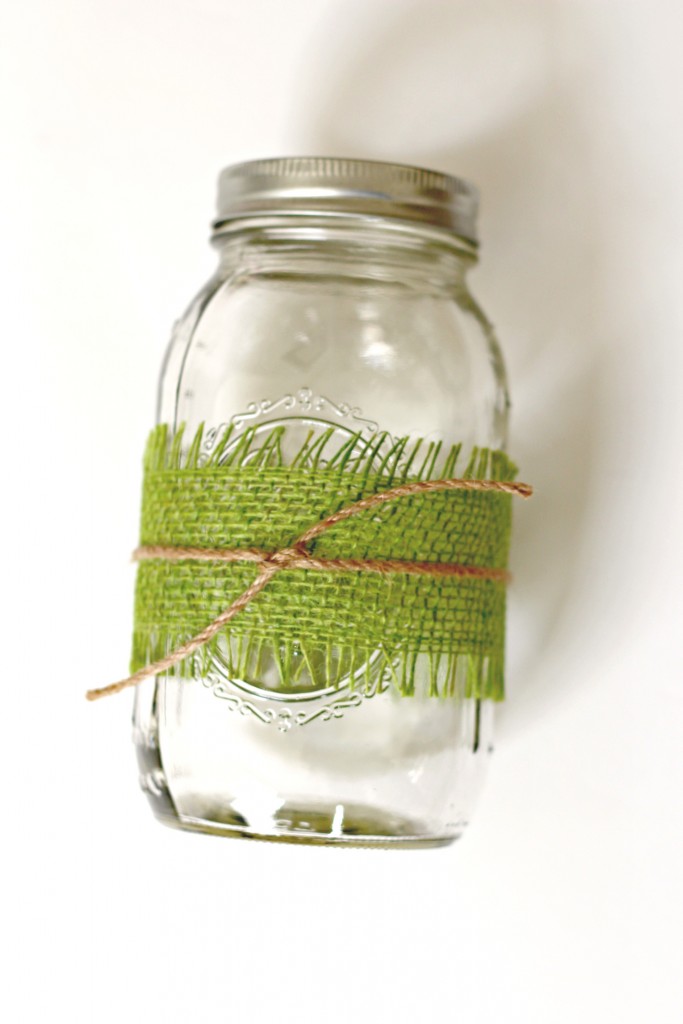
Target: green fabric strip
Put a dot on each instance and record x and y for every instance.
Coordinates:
(325, 628)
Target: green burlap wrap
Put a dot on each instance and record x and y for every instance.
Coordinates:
(327, 627)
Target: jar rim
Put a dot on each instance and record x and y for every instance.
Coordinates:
(337, 186)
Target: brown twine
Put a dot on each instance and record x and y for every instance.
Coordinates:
(297, 557)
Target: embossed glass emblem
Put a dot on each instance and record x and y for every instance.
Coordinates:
(258, 693)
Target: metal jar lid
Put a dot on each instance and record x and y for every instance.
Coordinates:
(332, 186)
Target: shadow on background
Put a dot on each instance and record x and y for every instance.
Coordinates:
(500, 93)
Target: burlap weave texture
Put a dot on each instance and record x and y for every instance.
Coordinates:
(326, 625)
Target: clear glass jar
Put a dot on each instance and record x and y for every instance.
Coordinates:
(340, 299)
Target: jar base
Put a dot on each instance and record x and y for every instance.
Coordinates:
(361, 827)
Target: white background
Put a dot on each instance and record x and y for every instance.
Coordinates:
(563, 902)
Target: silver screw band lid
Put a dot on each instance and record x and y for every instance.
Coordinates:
(334, 186)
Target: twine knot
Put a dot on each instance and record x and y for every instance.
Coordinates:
(285, 558)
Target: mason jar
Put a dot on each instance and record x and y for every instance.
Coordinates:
(339, 310)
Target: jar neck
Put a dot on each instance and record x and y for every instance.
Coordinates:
(353, 249)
